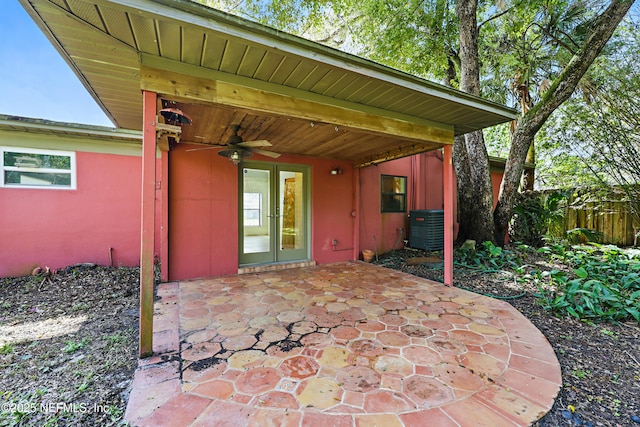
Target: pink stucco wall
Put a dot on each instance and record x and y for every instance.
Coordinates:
(332, 198)
(203, 212)
(424, 191)
(496, 180)
(203, 208)
(57, 228)
(380, 231)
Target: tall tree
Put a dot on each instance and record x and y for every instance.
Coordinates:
(561, 89)
(474, 185)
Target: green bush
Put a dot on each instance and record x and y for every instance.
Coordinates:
(604, 283)
(538, 217)
(487, 258)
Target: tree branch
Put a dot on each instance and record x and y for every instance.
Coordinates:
(556, 39)
(561, 89)
(495, 16)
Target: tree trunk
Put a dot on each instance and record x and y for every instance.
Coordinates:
(529, 175)
(562, 88)
(476, 204)
(464, 187)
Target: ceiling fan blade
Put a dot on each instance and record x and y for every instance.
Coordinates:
(205, 148)
(265, 153)
(255, 143)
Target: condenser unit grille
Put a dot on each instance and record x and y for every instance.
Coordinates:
(426, 230)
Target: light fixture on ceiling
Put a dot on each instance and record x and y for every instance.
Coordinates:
(175, 116)
(235, 156)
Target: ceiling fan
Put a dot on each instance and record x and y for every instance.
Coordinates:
(236, 149)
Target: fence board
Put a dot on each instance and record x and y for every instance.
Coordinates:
(607, 230)
(610, 214)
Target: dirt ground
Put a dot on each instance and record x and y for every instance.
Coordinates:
(68, 348)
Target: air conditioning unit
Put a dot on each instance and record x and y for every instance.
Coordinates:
(426, 230)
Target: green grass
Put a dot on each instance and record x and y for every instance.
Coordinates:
(7, 348)
(117, 338)
(73, 346)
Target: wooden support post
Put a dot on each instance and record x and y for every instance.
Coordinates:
(448, 214)
(356, 213)
(147, 225)
(164, 222)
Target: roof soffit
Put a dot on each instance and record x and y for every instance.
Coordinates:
(188, 32)
(196, 15)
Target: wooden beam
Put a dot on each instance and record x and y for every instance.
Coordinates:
(241, 92)
(147, 225)
(395, 153)
(448, 214)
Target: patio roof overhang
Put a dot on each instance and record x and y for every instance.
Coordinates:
(221, 70)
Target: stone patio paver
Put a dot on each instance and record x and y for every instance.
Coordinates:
(345, 344)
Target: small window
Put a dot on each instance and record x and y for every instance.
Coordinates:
(252, 209)
(394, 193)
(31, 168)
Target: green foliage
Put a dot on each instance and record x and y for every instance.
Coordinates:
(73, 346)
(6, 348)
(115, 413)
(488, 258)
(579, 373)
(583, 235)
(593, 138)
(498, 140)
(117, 338)
(604, 283)
(528, 44)
(539, 216)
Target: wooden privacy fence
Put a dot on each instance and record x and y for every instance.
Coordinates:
(609, 213)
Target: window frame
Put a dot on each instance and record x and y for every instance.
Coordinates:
(402, 196)
(20, 150)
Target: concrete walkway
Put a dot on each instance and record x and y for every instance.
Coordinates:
(346, 344)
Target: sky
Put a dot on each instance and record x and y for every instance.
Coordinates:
(34, 79)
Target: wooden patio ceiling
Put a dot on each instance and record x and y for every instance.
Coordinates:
(303, 97)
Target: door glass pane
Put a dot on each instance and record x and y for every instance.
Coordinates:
(291, 210)
(256, 215)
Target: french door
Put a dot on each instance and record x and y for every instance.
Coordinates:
(274, 213)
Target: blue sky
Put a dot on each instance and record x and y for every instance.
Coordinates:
(34, 79)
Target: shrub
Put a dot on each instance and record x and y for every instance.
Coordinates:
(604, 283)
(538, 216)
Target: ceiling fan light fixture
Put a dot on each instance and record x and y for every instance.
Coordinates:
(235, 156)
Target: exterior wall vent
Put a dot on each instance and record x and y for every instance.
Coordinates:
(426, 228)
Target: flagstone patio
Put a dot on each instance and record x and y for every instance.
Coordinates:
(346, 344)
